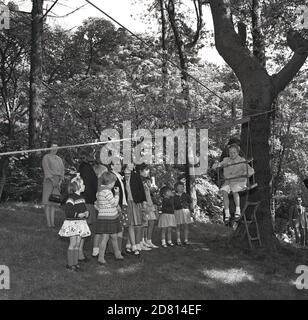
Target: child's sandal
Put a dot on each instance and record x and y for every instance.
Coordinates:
(136, 252)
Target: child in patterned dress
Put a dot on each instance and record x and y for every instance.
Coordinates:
(75, 225)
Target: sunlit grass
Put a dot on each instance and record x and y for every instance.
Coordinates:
(228, 276)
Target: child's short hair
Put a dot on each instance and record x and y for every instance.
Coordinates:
(75, 184)
(141, 167)
(163, 191)
(234, 146)
(99, 169)
(108, 178)
(179, 183)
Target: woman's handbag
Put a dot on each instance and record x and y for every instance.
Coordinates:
(55, 197)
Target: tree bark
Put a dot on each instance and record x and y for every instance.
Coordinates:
(36, 99)
(4, 164)
(259, 91)
(257, 34)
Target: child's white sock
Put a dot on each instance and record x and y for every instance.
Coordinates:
(128, 246)
(163, 242)
(237, 211)
(95, 251)
(227, 213)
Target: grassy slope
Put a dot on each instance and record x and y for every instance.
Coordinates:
(209, 269)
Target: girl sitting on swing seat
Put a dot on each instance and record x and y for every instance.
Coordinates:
(236, 173)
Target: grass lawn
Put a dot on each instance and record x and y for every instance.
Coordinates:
(208, 269)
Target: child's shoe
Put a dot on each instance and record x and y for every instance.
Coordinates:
(128, 248)
(101, 263)
(71, 268)
(78, 268)
(237, 214)
(163, 244)
(144, 247)
(135, 250)
(186, 243)
(95, 252)
(170, 244)
(145, 243)
(119, 256)
(151, 244)
(179, 243)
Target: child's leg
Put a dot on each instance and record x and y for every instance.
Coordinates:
(150, 230)
(145, 234)
(47, 214)
(226, 204)
(236, 198)
(186, 232)
(76, 250)
(96, 241)
(138, 234)
(163, 236)
(116, 251)
(71, 251)
(178, 234)
(52, 215)
(81, 254)
(102, 248)
(169, 235)
(132, 237)
(120, 240)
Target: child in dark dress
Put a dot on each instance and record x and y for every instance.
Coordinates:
(167, 219)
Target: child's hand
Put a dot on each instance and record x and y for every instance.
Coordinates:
(83, 214)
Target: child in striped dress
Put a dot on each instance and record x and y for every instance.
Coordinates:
(75, 225)
(108, 218)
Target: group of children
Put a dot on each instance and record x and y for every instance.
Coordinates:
(118, 211)
(126, 202)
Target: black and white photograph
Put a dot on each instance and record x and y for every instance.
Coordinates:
(154, 153)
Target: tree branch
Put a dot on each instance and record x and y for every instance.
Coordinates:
(288, 72)
(199, 15)
(229, 44)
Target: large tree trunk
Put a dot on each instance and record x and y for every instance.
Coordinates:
(36, 99)
(259, 91)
